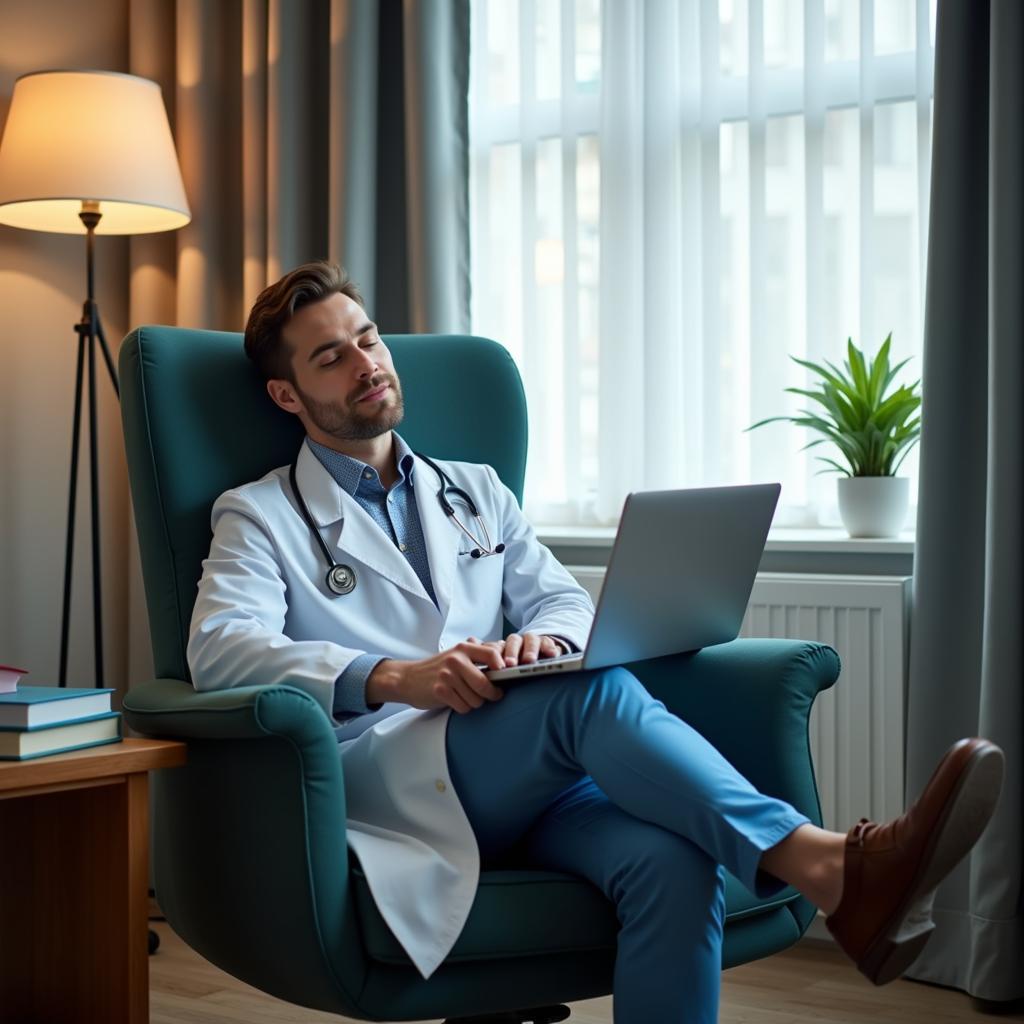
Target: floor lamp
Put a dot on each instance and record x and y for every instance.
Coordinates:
(89, 152)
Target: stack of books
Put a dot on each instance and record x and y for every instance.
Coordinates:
(40, 720)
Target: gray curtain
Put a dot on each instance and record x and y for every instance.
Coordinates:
(310, 129)
(306, 129)
(966, 658)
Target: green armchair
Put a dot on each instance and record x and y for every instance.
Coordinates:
(250, 861)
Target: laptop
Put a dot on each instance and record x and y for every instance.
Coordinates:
(679, 577)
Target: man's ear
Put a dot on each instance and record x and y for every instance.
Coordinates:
(284, 395)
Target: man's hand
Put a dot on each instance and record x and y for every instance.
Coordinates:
(449, 679)
(523, 647)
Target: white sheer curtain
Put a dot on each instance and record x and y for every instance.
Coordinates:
(671, 197)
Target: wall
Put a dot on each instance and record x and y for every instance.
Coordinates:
(42, 287)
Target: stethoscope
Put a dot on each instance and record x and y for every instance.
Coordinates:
(341, 579)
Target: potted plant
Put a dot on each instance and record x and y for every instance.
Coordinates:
(873, 431)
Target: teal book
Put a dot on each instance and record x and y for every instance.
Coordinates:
(33, 706)
(24, 744)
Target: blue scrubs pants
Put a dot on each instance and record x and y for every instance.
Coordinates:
(587, 773)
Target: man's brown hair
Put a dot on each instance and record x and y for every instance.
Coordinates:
(278, 303)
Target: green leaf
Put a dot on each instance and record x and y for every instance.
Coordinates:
(834, 437)
(773, 419)
(822, 397)
(846, 416)
(879, 370)
(857, 370)
(835, 465)
(845, 382)
(834, 378)
(895, 409)
(891, 375)
(816, 395)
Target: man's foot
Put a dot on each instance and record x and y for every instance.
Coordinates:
(891, 871)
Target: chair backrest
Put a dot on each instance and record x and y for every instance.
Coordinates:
(198, 421)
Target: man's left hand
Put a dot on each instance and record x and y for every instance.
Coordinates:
(524, 648)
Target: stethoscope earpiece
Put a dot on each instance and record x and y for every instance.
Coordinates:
(341, 579)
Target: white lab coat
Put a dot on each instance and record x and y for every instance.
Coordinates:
(263, 615)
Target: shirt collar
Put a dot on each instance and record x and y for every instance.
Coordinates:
(349, 473)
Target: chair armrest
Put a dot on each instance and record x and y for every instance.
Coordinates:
(752, 699)
(173, 708)
(250, 857)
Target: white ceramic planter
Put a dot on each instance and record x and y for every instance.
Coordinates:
(874, 506)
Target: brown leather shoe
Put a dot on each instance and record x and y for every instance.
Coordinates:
(891, 871)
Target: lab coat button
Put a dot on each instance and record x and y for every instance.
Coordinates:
(402, 547)
(441, 787)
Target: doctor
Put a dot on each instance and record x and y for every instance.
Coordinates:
(345, 576)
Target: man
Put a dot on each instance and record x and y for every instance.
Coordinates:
(584, 772)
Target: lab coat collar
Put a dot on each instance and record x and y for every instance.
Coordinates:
(322, 495)
(361, 540)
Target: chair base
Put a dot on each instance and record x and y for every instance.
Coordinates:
(538, 1015)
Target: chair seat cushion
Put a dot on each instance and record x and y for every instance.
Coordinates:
(530, 913)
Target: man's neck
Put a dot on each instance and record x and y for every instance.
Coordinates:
(377, 452)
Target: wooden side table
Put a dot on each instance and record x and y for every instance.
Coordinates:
(74, 867)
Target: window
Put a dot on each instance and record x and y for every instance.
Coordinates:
(668, 199)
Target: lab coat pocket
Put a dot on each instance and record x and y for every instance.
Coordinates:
(477, 597)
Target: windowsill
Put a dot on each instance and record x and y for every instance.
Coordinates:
(780, 539)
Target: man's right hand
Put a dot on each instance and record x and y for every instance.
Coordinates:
(449, 679)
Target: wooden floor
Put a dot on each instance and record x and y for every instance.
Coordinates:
(809, 983)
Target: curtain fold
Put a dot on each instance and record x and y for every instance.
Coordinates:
(331, 128)
(966, 649)
(436, 79)
(328, 128)
(353, 136)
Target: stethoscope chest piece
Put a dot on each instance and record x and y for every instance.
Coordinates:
(341, 579)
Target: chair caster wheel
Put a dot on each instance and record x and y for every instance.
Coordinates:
(154, 942)
(538, 1015)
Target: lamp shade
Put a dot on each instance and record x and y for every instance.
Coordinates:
(98, 136)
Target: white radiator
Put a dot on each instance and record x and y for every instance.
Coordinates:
(857, 727)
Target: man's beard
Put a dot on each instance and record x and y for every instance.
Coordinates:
(348, 424)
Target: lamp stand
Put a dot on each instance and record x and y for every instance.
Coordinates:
(90, 332)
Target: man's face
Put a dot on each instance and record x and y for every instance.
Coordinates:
(345, 384)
